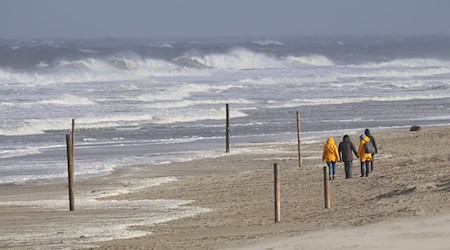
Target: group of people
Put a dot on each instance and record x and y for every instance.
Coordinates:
(344, 153)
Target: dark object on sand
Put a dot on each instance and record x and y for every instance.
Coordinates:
(415, 128)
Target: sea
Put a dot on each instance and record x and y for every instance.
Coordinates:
(156, 101)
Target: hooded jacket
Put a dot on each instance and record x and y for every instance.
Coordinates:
(330, 151)
(363, 155)
(345, 149)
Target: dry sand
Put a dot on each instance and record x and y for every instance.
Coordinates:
(227, 202)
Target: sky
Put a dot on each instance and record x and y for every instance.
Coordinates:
(220, 18)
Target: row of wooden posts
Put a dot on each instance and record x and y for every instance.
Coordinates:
(70, 141)
(277, 189)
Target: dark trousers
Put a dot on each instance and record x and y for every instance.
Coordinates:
(348, 165)
(365, 168)
(371, 164)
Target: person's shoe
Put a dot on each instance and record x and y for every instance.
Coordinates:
(332, 177)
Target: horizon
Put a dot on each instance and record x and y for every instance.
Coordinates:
(187, 38)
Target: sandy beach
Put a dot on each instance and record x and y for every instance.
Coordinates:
(227, 202)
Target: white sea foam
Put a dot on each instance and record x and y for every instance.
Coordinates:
(287, 80)
(236, 59)
(206, 114)
(188, 103)
(69, 100)
(268, 42)
(162, 45)
(99, 227)
(8, 153)
(95, 70)
(315, 60)
(180, 92)
(397, 73)
(406, 63)
(40, 126)
(87, 63)
(327, 101)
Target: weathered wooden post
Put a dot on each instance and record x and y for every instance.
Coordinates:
(326, 187)
(277, 193)
(73, 143)
(70, 171)
(227, 140)
(299, 141)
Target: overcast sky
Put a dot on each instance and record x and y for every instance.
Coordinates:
(218, 18)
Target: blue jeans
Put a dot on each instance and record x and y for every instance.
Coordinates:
(365, 168)
(331, 168)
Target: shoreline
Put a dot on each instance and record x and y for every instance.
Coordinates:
(237, 188)
(174, 157)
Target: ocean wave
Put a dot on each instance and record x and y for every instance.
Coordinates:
(397, 73)
(144, 64)
(69, 100)
(315, 60)
(34, 78)
(329, 101)
(180, 92)
(9, 153)
(94, 70)
(268, 42)
(162, 45)
(89, 51)
(92, 64)
(235, 59)
(41, 126)
(406, 63)
(189, 103)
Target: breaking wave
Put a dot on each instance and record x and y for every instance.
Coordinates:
(268, 42)
(235, 59)
(335, 101)
(69, 100)
(315, 60)
(406, 63)
(41, 126)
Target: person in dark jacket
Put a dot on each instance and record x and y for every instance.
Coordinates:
(372, 139)
(345, 151)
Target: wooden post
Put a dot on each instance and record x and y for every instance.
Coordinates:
(227, 140)
(326, 187)
(73, 144)
(277, 193)
(70, 172)
(299, 141)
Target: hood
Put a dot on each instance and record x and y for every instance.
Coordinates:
(367, 132)
(346, 138)
(330, 140)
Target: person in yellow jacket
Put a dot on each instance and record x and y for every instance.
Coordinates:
(330, 155)
(364, 157)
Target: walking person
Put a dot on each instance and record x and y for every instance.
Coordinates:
(372, 139)
(346, 147)
(330, 155)
(364, 157)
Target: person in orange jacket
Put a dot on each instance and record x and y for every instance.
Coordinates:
(331, 155)
(365, 158)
